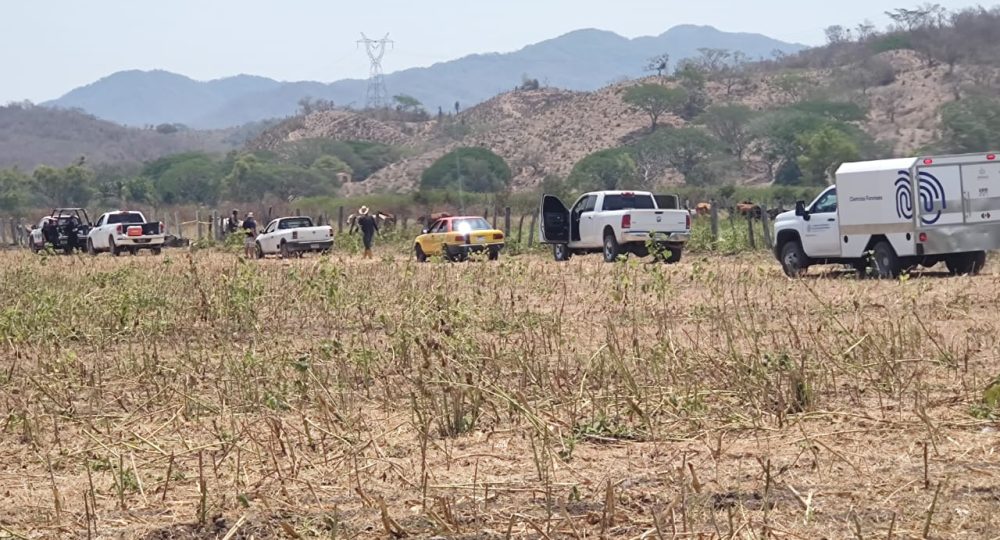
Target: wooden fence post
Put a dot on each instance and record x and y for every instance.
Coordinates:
(197, 219)
(177, 226)
(213, 230)
(506, 221)
(715, 220)
(531, 230)
(520, 228)
(13, 233)
(1, 232)
(765, 220)
(340, 219)
(750, 237)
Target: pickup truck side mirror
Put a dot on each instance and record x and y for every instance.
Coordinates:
(800, 210)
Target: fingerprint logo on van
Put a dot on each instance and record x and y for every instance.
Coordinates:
(931, 198)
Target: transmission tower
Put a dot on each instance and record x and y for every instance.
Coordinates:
(378, 96)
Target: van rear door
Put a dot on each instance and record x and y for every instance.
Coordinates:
(981, 187)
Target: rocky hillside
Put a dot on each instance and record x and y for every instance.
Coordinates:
(545, 132)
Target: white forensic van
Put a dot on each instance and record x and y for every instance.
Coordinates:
(892, 215)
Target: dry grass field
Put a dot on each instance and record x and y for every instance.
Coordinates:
(198, 395)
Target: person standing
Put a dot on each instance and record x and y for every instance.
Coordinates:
(369, 226)
(250, 228)
(234, 223)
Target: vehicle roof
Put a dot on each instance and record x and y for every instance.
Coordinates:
(621, 192)
(452, 218)
(878, 165)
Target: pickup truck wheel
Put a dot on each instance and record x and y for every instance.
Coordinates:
(418, 252)
(793, 260)
(674, 257)
(258, 251)
(561, 252)
(611, 249)
(285, 252)
(156, 251)
(90, 248)
(115, 250)
(885, 261)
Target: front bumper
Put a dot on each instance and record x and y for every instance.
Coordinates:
(297, 247)
(663, 237)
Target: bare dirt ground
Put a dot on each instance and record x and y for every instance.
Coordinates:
(202, 396)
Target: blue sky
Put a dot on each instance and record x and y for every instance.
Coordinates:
(48, 47)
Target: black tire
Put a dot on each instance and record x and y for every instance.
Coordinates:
(561, 252)
(285, 252)
(115, 250)
(68, 250)
(674, 257)
(418, 252)
(133, 251)
(885, 261)
(156, 251)
(258, 250)
(794, 261)
(963, 264)
(494, 254)
(90, 248)
(611, 248)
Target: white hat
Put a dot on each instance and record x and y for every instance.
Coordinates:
(363, 210)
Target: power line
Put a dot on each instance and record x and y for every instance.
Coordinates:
(378, 96)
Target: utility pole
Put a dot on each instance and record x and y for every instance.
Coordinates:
(378, 96)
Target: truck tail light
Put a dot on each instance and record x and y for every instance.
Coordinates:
(922, 238)
(295, 235)
(329, 232)
(163, 228)
(991, 157)
(687, 221)
(627, 221)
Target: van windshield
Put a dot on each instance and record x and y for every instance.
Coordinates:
(628, 202)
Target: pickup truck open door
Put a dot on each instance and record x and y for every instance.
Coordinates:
(555, 226)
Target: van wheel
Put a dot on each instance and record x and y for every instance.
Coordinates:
(962, 264)
(611, 249)
(793, 260)
(560, 252)
(885, 261)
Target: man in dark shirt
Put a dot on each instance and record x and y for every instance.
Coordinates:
(234, 222)
(369, 226)
(250, 227)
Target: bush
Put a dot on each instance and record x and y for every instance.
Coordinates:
(469, 169)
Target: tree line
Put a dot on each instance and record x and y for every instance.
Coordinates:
(308, 168)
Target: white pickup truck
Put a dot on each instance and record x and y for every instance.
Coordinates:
(293, 236)
(887, 216)
(120, 231)
(614, 223)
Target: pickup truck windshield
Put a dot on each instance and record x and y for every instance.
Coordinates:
(125, 217)
(294, 223)
(628, 202)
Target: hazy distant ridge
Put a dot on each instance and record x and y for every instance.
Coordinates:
(579, 60)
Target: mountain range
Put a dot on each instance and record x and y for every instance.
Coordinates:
(582, 60)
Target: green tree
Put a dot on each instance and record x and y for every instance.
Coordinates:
(823, 152)
(72, 186)
(13, 189)
(693, 153)
(730, 124)
(331, 164)
(655, 100)
(693, 80)
(970, 125)
(605, 169)
(471, 169)
(191, 177)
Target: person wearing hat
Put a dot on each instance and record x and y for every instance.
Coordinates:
(368, 226)
(250, 226)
